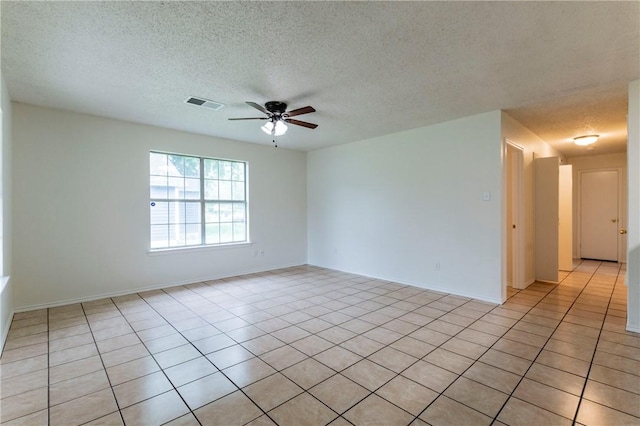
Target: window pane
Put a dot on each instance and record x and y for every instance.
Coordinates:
(237, 171)
(238, 212)
(213, 234)
(192, 189)
(176, 188)
(239, 232)
(159, 213)
(176, 212)
(192, 167)
(210, 169)
(192, 214)
(226, 212)
(237, 190)
(212, 212)
(224, 170)
(159, 236)
(176, 165)
(193, 234)
(225, 189)
(226, 232)
(211, 189)
(176, 235)
(158, 164)
(158, 187)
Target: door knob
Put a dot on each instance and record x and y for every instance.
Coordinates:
(623, 231)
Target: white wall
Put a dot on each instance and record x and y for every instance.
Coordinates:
(6, 284)
(633, 223)
(599, 162)
(81, 203)
(533, 147)
(393, 206)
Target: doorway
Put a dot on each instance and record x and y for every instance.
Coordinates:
(599, 214)
(514, 217)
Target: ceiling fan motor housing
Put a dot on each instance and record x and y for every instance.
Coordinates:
(276, 107)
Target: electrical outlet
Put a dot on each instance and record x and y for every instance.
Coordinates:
(261, 252)
(437, 266)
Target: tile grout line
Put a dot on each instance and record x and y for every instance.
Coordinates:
(288, 344)
(333, 344)
(104, 367)
(363, 335)
(152, 355)
(445, 295)
(548, 339)
(478, 359)
(510, 328)
(203, 355)
(595, 350)
(422, 358)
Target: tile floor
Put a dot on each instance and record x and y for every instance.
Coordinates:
(311, 346)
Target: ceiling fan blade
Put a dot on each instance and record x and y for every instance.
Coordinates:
(258, 107)
(301, 123)
(300, 111)
(250, 118)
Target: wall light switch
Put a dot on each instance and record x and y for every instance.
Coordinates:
(486, 196)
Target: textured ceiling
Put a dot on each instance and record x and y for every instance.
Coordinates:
(369, 68)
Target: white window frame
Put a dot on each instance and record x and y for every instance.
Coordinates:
(203, 202)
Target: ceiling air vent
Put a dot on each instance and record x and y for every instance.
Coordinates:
(205, 103)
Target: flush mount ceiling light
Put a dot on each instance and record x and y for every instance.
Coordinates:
(585, 140)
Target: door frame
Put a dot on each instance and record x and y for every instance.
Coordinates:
(517, 199)
(622, 213)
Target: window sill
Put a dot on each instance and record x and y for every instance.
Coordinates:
(180, 250)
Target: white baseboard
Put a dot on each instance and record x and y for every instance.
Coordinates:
(148, 288)
(547, 282)
(421, 285)
(5, 332)
(633, 328)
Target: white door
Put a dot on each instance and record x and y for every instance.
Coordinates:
(599, 215)
(510, 213)
(514, 218)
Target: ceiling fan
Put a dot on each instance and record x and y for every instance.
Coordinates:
(277, 115)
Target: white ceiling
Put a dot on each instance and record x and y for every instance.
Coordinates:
(369, 68)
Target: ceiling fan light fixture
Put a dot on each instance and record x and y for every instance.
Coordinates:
(585, 140)
(280, 128)
(268, 127)
(277, 128)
